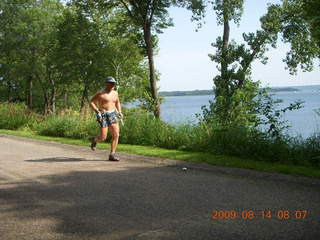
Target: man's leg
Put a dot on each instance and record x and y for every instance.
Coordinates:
(100, 138)
(103, 135)
(114, 129)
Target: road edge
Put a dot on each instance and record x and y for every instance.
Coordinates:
(188, 166)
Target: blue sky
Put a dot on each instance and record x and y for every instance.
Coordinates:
(183, 56)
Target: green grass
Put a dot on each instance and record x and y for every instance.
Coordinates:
(219, 160)
(141, 128)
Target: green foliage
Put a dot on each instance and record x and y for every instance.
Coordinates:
(300, 28)
(305, 151)
(198, 8)
(250, 142)
(125, 61)
(14, 116)
(230, 9)
(271, 116)
(236, 94)
(142, 128)
(260, 109)
(311, 10)
(238, 99)
(68, 124)
(242, 109)
(26, 42)
(153, 13)
(151, 17)
(54, 56)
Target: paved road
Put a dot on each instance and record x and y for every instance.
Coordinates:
(55, 191)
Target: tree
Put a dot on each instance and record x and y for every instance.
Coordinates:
(25, 46)
(54, 56)
(126, 63)
(235, 91)
(311, 9)
(47, 76)
(79, 52)
(300, 28)
(114, 50)
(151, 16)
(14, 35)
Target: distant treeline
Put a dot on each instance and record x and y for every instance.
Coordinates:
(210, 92)
(186, 93)
(284, 89)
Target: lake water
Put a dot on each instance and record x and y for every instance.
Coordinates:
(303, 121)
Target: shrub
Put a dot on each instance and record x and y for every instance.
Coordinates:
(68, 124)
(16, 115)
(142, 128)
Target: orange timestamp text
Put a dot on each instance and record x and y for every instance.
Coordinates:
(280, 214)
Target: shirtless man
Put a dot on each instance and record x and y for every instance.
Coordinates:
(107, 106)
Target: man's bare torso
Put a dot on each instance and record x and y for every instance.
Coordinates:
(107, 100)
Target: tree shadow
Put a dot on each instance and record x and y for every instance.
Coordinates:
(63, 159)
(132, 203)
(115, 204)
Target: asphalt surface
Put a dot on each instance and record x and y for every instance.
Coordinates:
(56, 191)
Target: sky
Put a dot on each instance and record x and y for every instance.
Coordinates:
(183, 60)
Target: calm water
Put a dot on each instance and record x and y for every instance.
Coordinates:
(303, 121)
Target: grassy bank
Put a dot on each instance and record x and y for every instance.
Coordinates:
(143, 134)
(219, 160)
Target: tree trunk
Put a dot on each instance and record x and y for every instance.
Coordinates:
(53, 100)
(30, 80)
(153, 84)
(226, 34)
(223, 87)
(53, 96)
(65, 99)
(9, 91)
(84, 98)
(46, 102)
(29, 92)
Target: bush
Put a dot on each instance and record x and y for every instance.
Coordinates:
(306, 151)
(255, 144)
(142, 128)
(16, 115)
(68, 124)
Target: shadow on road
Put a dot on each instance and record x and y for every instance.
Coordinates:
(120, 204)
(61, 159)
(150, 203)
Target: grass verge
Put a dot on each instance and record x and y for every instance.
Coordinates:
(219, 160)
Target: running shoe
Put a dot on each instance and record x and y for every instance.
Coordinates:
(93, 144)
(112, 157)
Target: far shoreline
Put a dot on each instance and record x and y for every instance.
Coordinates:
(210, 92)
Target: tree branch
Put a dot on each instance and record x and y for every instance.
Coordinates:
(152, 9)
(246, 64)
(127, 8)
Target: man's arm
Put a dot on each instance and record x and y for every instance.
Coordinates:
(118, 105)
(93, 102)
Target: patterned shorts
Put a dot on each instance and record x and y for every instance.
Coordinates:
(107, 119)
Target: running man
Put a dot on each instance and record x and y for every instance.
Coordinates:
(107, 106)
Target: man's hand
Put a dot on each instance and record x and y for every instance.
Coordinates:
(99, 115)
(120, 115)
